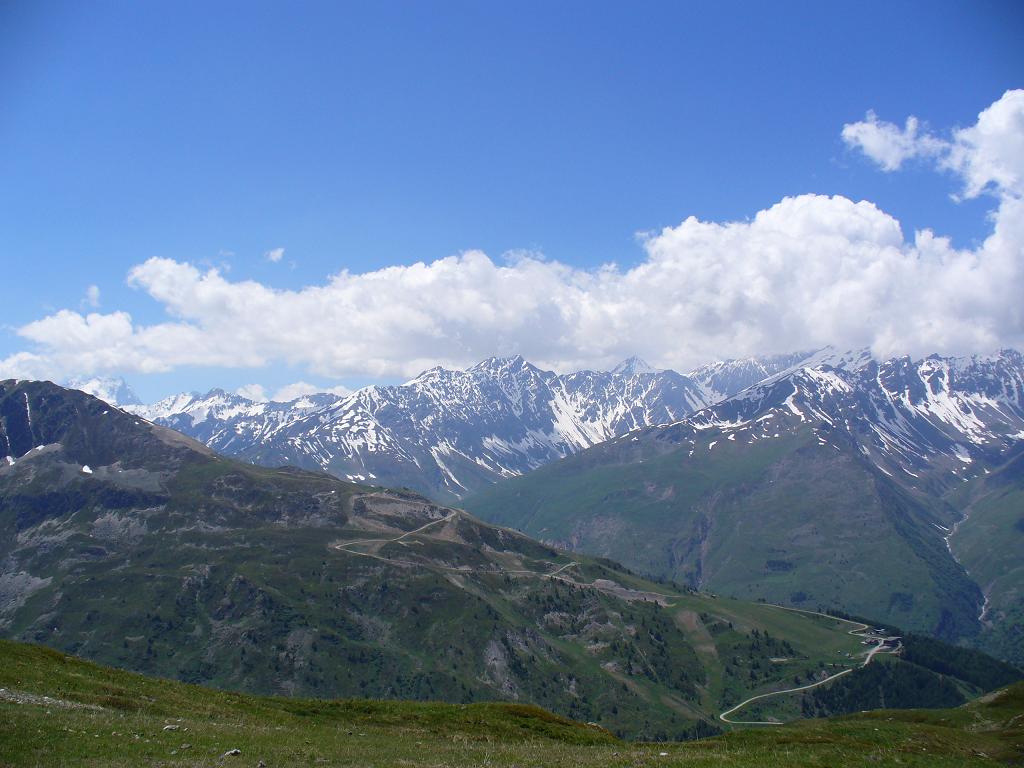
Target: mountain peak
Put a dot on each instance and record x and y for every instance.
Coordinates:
(111, 389)
(632, 366)
(501, 364)
(850, 360)
(220, 394)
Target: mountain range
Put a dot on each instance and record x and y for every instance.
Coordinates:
(128, 543)
(447, 433)
(451, 433)
(844, 481)
(131, 544)
(825, 478)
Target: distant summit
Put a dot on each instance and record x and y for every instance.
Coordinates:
(445, 432)
(113, 390)
(632, 366)
(498, 366)
(451, 433)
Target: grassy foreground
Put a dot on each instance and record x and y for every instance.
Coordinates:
(57, 710)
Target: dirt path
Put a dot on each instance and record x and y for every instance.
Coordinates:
(616, 589)
(347, 548)
(445, 519)
(724, 717)
(600, 585)
(882, 646)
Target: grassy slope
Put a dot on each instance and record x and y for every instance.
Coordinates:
(989, 542)
(271, 609)
(423, 637)
(300, 618)
(171, 561)
(786, 519)
(182, 564)
(103, 717)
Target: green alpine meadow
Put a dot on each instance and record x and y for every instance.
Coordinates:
(59, 710)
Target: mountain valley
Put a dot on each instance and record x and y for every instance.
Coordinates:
(841, 483)
(133, 545)
(860, 470)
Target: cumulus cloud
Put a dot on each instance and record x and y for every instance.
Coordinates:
(988, 156)
(809, 270)
(887, 144)
(92, 296)
(274, 255)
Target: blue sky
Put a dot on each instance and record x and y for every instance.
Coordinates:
(363, 136)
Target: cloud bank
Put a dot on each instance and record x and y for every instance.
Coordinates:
(810, 270)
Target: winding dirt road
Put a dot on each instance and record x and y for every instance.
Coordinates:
(346, 548)
(881, 646)
(859, 628)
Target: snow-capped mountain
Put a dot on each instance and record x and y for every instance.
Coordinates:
(633, 365)
(842, 480)
(723, 379)
(446, 432)
(227, 422)
(449, 433)
(930, 421)
(112, 390)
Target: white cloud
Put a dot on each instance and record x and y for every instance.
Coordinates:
(92, 296)
(990, 154)
(299, 389)
(274, 255)
(809, 270)
(252, 392)
(886, 144)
